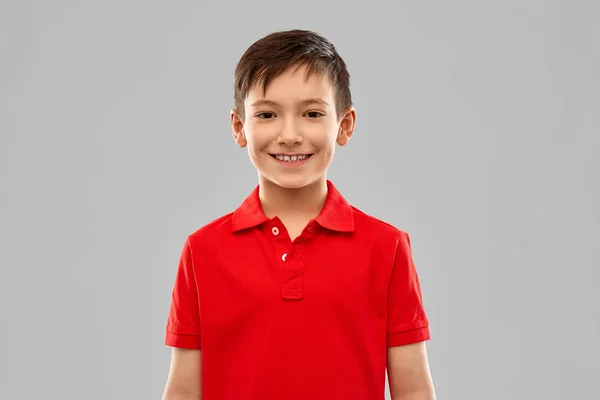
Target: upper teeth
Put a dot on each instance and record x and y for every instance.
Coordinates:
(291, 158)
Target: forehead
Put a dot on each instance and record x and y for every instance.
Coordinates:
(292, 85)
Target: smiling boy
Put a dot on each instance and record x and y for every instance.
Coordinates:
(296, 294)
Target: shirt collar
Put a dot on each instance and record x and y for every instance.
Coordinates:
(336, 213)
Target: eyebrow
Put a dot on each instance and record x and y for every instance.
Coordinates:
(264, 102)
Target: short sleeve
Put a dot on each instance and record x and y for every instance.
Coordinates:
(183, 324)
(406, 318)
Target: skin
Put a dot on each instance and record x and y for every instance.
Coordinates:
(184, 381)
(295, 194)
(287, 125)
(408, 371)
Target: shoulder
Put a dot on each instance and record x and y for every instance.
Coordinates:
(376, 226)
(211, 232)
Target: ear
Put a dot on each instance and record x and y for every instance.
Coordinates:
(347, 124)
(237, 128)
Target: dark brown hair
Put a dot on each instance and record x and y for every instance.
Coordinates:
(273, 54)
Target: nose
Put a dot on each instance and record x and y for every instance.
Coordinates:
(289, 135)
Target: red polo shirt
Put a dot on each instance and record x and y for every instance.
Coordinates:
(308, 319)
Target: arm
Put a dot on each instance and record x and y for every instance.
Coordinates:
(183, 332)
(408, 372)
(408, 329)
(184, 381)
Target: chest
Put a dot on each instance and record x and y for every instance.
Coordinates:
(318, 279)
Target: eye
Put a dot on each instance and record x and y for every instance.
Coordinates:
(265, 115)
(314, 114)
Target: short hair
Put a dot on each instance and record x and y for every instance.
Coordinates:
(273, 54)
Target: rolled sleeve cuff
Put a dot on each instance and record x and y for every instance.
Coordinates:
(408, 337)
(183, 341)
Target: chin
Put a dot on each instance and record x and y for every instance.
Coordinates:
(291, 182)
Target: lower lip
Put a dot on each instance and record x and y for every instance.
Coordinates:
(292, 164)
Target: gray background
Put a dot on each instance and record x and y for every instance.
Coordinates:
(477, 133)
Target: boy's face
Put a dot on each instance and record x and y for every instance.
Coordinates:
(292, 131)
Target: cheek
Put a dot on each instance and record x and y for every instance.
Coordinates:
(327, 144)
(330, 153)
(257, 141)
(253, 151)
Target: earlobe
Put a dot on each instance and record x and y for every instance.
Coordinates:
(237, 128)
(343, 137)
(240, 138)
(242, 142)
(346, 127)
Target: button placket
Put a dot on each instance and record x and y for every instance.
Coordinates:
(292, 273)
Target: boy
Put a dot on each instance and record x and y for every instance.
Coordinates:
(296, 295)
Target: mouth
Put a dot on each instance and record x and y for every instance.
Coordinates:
(291, 158)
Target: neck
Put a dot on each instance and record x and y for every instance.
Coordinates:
(306, 201)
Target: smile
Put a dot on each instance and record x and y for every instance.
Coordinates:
(291, 158)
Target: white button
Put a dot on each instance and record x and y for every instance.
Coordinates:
(283, 256)
(275, 231)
